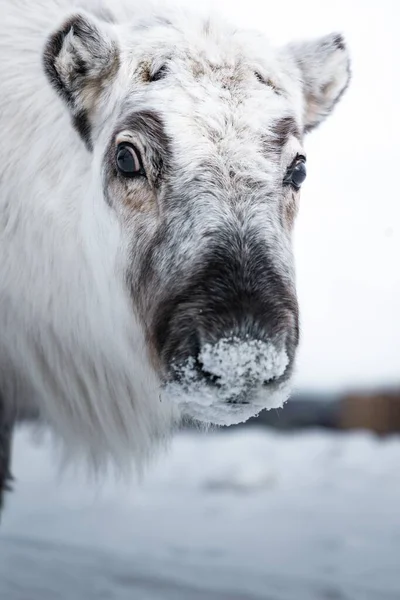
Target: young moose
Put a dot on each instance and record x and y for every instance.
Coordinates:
(150, 172)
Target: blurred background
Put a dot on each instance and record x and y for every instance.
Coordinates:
(302, 503)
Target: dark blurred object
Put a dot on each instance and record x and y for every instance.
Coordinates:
(379, 412)
(302, 411)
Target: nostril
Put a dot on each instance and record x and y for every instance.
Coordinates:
(238, 400)
(234, 366)
(237, 364)
(208, 375)
(269, 381)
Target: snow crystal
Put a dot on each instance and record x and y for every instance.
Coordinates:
(239, 369)
(235, 362)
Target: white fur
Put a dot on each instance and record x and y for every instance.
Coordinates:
(71, 347)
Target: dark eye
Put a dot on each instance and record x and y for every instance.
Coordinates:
(128, 160)
(296, 173)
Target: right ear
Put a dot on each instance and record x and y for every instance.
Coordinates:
(324, 66)
(79, 60)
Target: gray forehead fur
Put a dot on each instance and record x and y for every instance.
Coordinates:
(231, 136)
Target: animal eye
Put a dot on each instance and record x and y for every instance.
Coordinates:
(128, 160)
(296, 173)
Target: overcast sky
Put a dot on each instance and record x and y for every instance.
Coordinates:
(348, 232)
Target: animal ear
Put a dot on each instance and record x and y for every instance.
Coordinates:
(79, 59)
(325, 74)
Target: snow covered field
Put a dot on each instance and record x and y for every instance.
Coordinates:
(248, 514)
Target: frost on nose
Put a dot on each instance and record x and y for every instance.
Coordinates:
(231, 381)
(237, 365)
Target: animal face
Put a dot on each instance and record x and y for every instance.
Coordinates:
(197, 133)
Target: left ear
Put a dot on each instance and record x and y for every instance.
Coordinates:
(325, 74)
(80, 59)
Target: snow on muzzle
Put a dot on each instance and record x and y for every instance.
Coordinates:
(231, 381)
(228, 339)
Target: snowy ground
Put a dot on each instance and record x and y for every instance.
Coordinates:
(247, 514)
